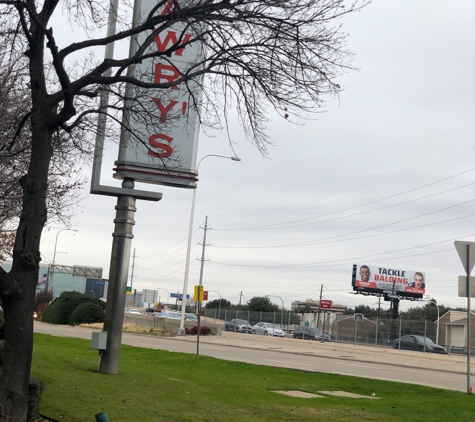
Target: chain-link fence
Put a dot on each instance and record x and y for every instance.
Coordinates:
(343, 328)
(380, 331)
(286, 320)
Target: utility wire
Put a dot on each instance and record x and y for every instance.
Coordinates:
(290, 224)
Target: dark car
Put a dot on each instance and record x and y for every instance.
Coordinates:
(308, 333)
(238, 326)
(419, 343)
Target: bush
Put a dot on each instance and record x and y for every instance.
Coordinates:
(204, 331)
(87, 313)
(43, 298)
(59, 310)
(40, 310)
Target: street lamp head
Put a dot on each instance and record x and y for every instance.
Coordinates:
(235, 159)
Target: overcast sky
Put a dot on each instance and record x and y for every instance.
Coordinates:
(384, 177)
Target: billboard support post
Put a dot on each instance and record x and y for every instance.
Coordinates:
(118, 273)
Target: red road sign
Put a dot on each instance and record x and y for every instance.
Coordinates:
(325, 304)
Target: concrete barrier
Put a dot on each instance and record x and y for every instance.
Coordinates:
(170, 324)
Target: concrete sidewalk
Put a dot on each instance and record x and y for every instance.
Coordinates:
(345, 351)
(330, 350)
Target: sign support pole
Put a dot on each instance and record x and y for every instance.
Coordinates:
(469, 315)
(465, 251)
(118, 274)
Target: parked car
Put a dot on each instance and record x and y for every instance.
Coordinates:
(310, 333)
(190, 317)
(134, 311)
(414, 342)
(167, 314)
(268, 329)
(238, 326)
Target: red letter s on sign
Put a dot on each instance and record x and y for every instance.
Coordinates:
(167, 148)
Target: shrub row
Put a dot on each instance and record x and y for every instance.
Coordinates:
(74, 308)
(204, 330)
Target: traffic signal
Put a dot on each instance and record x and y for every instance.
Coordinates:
(198, 296)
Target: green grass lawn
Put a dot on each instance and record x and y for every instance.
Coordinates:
(156, 385)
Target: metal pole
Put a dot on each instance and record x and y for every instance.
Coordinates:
(118, 274)
(400, 329)
(377, 325)
(168, 293)
(49, 284)
(181, 331)
(438, 317)
(450, 338)
(200, 284)
(282, 316)
(219, 303)
(425, 334)
(469, 317)
(356, 329)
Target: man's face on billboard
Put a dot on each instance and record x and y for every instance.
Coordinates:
(418, 281)
(364, 273)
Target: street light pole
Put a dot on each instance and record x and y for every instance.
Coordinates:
(282, 318)
(219, 304)
(49, 286)
(181, 331)
(168, 293)
(434, 302)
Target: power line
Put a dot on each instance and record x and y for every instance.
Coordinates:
(290, 224)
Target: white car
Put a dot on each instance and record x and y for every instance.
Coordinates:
(268, 329)
(134, 311)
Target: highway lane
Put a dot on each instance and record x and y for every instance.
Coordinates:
(262, 353)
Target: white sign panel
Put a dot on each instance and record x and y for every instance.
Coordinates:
(466, 251)
(162, 144)
(463, 286)
(149, 296)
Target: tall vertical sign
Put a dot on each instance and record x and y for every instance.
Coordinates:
(161, 144)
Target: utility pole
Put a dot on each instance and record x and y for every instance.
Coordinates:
(319, 308)
(240, 297)
(200, 284)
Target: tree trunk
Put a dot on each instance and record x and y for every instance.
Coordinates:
(15, 376)
(18, 288)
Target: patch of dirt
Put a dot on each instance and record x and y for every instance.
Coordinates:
(305, 395)
(347, 394)
(297, 393)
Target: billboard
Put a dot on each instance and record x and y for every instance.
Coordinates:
(388, 281)
(162, 142)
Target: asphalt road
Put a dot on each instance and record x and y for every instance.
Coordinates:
(447, 372)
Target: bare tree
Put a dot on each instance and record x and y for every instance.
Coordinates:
(65, 178)
(257, 54)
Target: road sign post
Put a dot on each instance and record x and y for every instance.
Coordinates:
(466, 251)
